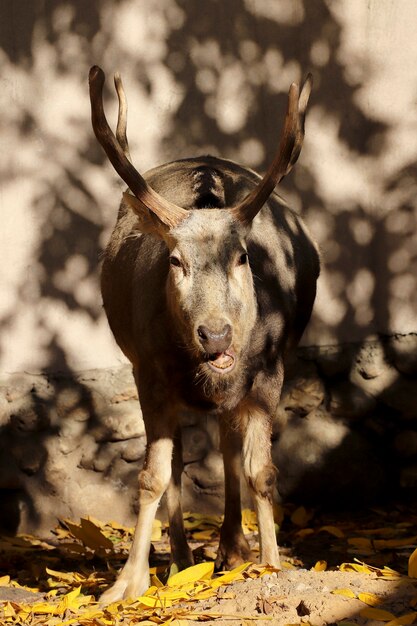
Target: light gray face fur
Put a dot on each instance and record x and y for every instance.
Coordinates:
(210, 283)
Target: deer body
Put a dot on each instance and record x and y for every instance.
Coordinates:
(208, 280)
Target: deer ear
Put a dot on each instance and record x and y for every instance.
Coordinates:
(147, 222)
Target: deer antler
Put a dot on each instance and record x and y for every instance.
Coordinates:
(117, 151)
(121, 116)
(288, 152)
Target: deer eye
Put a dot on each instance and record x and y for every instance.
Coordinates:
(243, 259)
(175, 261)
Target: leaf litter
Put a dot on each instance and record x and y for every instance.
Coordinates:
(355, 569)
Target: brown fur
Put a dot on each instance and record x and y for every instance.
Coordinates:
(155, 310)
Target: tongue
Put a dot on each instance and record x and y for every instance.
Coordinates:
(222, 360)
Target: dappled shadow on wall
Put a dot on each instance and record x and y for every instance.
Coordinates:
(208, 78)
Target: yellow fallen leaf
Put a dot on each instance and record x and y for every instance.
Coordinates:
(412, 564)
(320, 566)
(153, 589)
(8, 610)
(301, 516)
(386, 530)
(154, 603)
(332, 530)
(213, 520)
(249, 521)
(377, 614)
(355, 567)
(89, 534)
(203, 595)
(66, 602)
(156, 530)
(361, 542)
(381, 544)
(74, 600)
(347, 593)
(264, 570)
(387, 572)
(404, 620)
(96, 521)
(117, 526)
(4, 581)
(42, 608)
(370, 598)
(155, 581)
(191, 524)
(62, 576)
(304, 532)
(202, 571)
(203, 535)
(228, 577)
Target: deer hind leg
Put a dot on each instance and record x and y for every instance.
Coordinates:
(181, 554)
(233, 547)
(133, 580)
(261, 475)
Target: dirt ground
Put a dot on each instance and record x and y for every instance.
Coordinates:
(337, 568)
(308, 597)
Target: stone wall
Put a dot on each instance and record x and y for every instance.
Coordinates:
(345, 431)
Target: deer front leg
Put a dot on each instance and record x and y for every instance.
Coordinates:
(181, 554)
(260, 474)
(233, 547)
(133, 580)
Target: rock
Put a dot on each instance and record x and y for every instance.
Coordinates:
(18, 386)
(127, 394)
(401, 395)
(402, 352)
(123, 476)
(104, 458)
(73, 446)
(321, 460)
(408, 478)
(25, 418)
(30, 456)
(195, 443)
(18, 595)
(211, 425)
(302, 394)
(208, 475)
(79, 403)
(134, 449)
(334, 361)
(372, 371)
(405, 444)
(119, 422)
(10, 476)
(349, 401)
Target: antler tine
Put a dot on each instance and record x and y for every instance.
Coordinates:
(288, 152)
(121, 116)
(302, 107)
(170, 214)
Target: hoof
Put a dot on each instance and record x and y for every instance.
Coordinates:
(124, 589)
(231, 555)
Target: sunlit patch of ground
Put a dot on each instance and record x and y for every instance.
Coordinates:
(356, 568)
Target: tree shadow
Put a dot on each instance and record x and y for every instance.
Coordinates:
(231, 65)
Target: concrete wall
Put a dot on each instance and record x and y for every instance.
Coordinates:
(204, 77)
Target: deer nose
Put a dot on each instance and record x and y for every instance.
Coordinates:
(215, 342)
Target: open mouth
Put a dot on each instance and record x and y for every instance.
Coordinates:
(221, 362)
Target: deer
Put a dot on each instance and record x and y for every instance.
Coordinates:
(208, 282)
